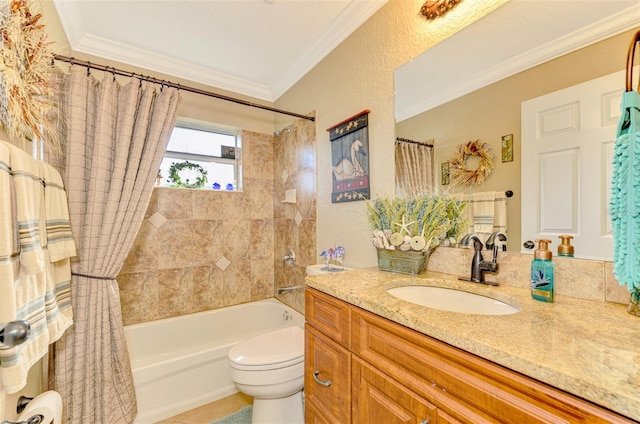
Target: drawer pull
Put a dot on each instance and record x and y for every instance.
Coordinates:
(427, 421)
(324, 383)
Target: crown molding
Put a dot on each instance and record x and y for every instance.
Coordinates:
(353, 16)
(81, 40)
(606, 28)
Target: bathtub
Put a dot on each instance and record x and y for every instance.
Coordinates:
(181, 363)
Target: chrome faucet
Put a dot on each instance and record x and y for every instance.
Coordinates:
(478, 265)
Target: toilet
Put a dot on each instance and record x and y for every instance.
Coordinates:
(270, 367)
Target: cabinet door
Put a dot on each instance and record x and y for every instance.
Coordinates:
(329, 315)
(313, 415)
(379, 399)
(444, 418)
(327, 378)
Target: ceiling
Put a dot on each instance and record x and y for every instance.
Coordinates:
(258, 48)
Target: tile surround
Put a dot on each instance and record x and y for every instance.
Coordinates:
(200, 249)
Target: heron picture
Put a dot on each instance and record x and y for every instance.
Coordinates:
(350, 159)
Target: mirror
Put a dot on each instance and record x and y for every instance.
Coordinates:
(470, 86)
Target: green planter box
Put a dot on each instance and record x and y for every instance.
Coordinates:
(413, 263)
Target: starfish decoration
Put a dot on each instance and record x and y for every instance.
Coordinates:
(405, 225)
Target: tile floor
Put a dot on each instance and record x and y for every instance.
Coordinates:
(211, 411)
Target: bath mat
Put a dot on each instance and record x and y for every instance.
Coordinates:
(243, 416)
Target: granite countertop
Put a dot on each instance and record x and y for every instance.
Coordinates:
(587, 348)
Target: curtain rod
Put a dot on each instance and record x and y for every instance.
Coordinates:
(406, 140)
(113, 70)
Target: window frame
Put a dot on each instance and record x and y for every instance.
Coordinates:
(210, 127)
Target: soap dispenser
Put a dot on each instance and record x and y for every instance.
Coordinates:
(542, 273)
(565, 248)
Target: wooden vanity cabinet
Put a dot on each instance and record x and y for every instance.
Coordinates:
(399, 375)
(379, 399)
(327, 375)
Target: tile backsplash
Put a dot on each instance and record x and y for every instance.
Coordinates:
(580, 278)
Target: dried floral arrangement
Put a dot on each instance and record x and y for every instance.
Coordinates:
(415, 223)
(27, 87)
(461, 174)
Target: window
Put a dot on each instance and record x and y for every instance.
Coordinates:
(204, 156)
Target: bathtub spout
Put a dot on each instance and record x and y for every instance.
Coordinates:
(282, 290)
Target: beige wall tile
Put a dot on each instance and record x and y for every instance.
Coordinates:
(237, 283)
(144, 252)
(139, 294)
(614, 292)
(207, 204)
(187, 243)
(174, 203)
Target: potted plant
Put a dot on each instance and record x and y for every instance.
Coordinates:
(406, 230)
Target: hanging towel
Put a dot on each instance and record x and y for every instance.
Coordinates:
(60, 247)
(483, 212)
(16, 361)
(486, 213)
(9, 246)
(59, 239)
(36, 292)
(29, 193)
(500, 212)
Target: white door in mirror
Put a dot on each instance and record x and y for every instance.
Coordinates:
(567, 147)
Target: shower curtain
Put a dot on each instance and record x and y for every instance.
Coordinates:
(414, 168)
(114, 138)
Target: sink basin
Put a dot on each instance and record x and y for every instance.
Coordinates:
(452, 300)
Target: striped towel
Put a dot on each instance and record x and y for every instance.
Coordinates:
(9, 246)
(29, 193)
(486, 213)
(59, 239)
(40, 296)
(483, 207)
(60, 248)
(15, 362)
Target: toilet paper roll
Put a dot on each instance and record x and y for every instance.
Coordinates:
(47, 404)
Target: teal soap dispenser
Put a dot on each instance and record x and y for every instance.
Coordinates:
(542, 270)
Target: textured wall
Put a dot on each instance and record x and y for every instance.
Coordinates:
(358, 75)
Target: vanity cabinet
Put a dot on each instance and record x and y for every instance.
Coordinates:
(399, 375)
(327, 376)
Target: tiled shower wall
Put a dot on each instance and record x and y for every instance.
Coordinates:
(202, 249)
(295, 223)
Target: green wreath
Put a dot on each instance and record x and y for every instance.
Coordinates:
(176, 180)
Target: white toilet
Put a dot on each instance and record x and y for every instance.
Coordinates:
(270, 367)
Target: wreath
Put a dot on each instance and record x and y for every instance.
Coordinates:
(176, 180)
(463, 175)
(27, 75)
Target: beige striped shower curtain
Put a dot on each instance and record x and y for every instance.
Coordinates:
(414, 168)
(114, 138)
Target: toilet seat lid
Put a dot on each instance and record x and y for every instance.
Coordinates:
(275, 349)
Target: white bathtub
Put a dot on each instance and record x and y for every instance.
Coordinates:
(181, 363)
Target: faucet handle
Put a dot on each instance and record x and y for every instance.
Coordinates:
(492, 243)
